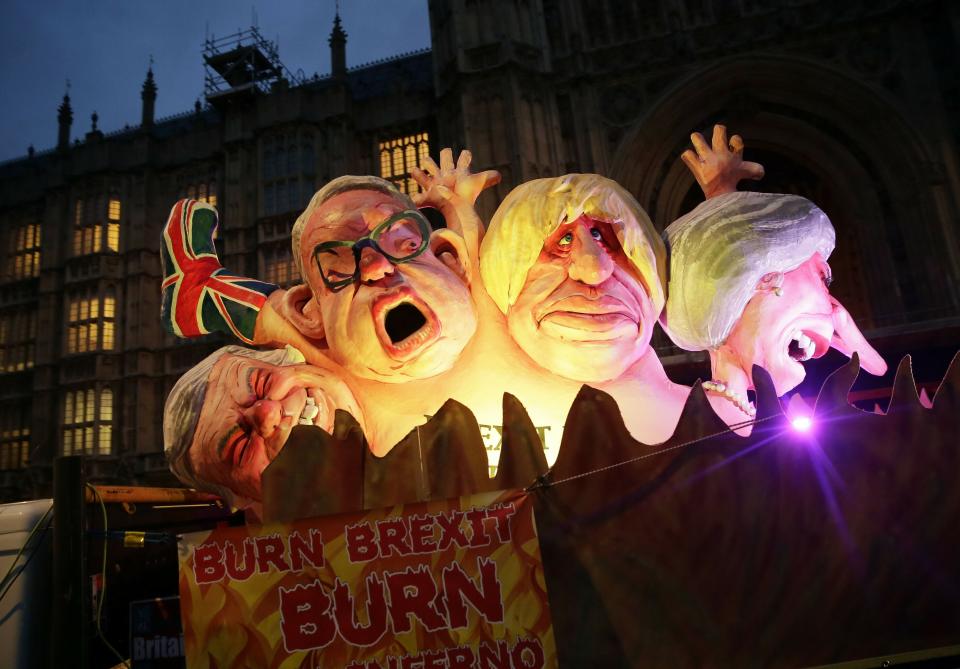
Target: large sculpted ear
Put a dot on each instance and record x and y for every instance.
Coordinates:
(450, 248)
(770, 282)
(302, 311)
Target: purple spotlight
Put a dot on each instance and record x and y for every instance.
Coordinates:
(802, 423)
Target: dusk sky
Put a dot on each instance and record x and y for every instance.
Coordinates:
(104, 46)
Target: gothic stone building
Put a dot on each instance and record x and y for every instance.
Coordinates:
(852, 104)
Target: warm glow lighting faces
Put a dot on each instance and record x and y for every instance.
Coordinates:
(780, 332)
(248, 411)
(582, 312)
(407, 314)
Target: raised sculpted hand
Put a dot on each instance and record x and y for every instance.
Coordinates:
(453, 190)
(457, 178)
(720, 167)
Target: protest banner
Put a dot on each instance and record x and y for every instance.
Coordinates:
(455, 584)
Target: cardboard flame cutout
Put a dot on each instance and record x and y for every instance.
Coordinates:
(778, 533)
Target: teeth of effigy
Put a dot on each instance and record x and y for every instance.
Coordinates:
(309, 413)
(805, 344)
(415, 339)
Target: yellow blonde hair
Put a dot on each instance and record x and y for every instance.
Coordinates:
(532, 211)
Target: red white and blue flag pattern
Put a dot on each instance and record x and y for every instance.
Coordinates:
(199, 295)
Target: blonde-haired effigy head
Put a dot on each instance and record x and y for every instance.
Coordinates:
(533, 210)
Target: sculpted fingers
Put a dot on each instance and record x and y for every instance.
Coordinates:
(490, 178)
(736, 145)
(693, 164)
(463, 162)
(691, 159)
(420, 177)
(719, 138)
(446, 160)
(700, 144)
(431, 167)
(752, 170)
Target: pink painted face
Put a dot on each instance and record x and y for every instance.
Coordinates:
(399, 321)
(248, 411)
(779, 333)
(583, 313)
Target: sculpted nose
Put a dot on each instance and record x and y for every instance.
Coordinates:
(374, 266)
(264, 416)
(591, 264)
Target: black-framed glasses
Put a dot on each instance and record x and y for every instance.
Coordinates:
(399, 239)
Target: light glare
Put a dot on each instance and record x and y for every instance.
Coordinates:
(802, 423)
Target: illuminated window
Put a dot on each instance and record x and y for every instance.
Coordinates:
(399, 156)
(18, 332)
(14, 435)
(278, 265)
(22, 247)
(92, 220)
(91, 322)
(113, 225)
(105, 427)
(87, 422)
(203, 192)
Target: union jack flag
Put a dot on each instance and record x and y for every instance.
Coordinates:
(199, 295)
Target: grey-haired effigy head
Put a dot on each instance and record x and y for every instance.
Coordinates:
(721, 250)
(181, 413)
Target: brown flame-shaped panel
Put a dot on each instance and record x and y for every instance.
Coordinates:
(317, 473)
(781, 549)
(777, 549)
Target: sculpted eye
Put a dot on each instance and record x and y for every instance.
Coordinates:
(236, 444)
(261, 381)
(566, 240)
(827, 279)
(595, 233)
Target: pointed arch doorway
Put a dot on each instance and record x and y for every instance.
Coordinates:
(819, 134)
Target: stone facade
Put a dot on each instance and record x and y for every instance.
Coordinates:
(853, 105)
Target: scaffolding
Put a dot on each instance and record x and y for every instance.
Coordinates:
(243, 64)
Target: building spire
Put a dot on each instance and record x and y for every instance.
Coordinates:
(65, 120)
(94, 133)
(148, 94)
(338, 48)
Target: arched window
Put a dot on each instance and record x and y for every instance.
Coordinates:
(18, 334)
(96, 224)
(21, 243)
(14, 435)
(399, 156)
(91, 321)
(87, 422)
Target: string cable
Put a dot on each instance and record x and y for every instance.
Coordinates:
(103, 585)
(542, 481)
(10, 577)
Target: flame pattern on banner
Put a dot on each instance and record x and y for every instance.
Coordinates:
(236, 624)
